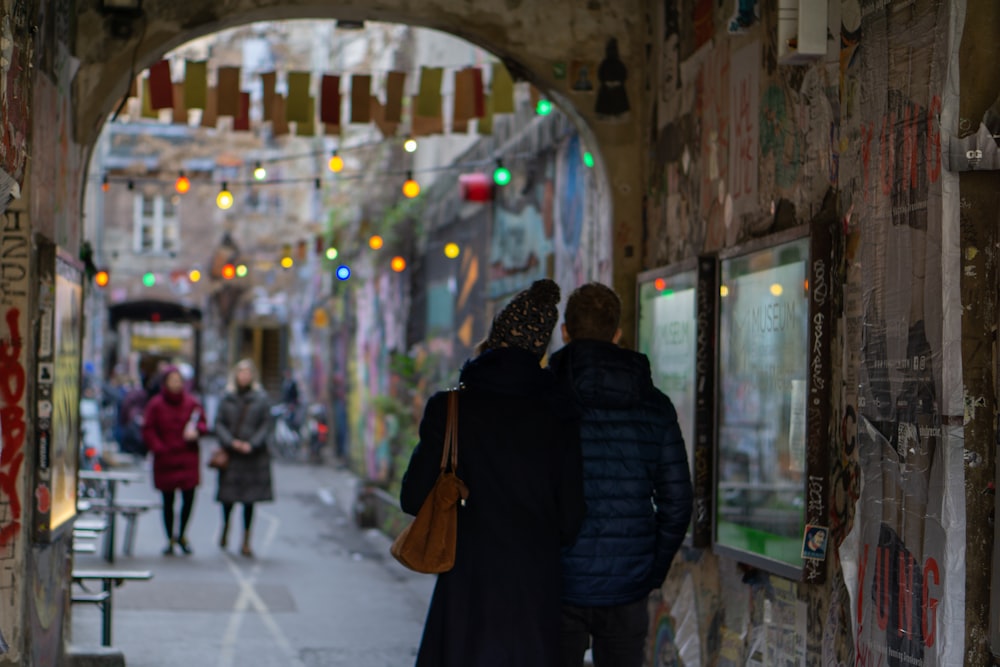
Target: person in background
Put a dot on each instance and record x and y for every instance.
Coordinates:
(172, 424)
(290, 399)
(130, 415)
(636, 481)
(518, 453)
(242, 427)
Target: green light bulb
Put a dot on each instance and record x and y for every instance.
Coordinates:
(544, 107)
(501, 176)
(148, 279)
(588, 159)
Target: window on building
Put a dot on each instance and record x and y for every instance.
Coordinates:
(157, 226)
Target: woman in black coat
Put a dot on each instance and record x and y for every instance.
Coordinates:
(242, 426)
(519, 455)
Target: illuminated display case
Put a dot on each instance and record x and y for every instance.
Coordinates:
(772, 398)
(676, 324)
(57, 391)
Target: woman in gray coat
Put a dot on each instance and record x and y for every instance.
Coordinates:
(242, 426)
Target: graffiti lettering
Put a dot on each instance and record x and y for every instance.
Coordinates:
(12, 385)
(14, 249)
(815, 494)
(742, 178)
(818, 384)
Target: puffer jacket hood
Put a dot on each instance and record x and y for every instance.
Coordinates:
(600, 374)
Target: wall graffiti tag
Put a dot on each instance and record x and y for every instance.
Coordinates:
(744, 146)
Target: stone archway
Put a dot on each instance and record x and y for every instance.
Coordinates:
(536, 40)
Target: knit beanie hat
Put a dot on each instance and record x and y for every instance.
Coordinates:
(527, 321)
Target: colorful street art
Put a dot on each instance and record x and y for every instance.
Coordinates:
(15, 253)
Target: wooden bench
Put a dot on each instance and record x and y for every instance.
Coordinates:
(130, 511)
(103, 598)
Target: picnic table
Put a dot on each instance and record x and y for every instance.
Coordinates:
(111, 507)
(109, 579)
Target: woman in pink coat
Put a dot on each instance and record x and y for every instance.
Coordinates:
(173, 422)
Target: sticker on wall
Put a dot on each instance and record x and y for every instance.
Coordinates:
(581, 76)
(559, 70)
(45, 373)
(612, 98)
(744, 16)
(814, 542)
(980, 149)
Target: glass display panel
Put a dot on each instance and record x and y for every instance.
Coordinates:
(761, 402)
(667, 334)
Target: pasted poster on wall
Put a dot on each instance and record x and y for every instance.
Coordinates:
(906, 583)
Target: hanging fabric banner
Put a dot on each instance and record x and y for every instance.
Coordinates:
(210, 116)
(161, 88)
(394, 85)
(479, 103)
(195, 84)
(464, 103)
(502, 90)
(307, 127)
(428, 103)
(227, 90)
(297, 104)
(361, 85)
(267, 81)
(180, 115)
(331, 130)
(485, 124)
(241, 122)
(387, 128)
(147, 106)
(422, 126)
(279, 119)
(329, 100)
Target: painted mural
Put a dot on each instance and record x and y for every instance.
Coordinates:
(581, 243)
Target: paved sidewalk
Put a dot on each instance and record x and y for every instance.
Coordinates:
(320, 592)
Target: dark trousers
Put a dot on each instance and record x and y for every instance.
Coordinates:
(619, 634)
(187, 504)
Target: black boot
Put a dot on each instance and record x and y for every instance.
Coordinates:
(224, 537)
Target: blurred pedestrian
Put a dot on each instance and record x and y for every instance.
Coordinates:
(242, 427)
(518, 453)
(290, 399)
(128, 431)
(636, 479)
(173, 422)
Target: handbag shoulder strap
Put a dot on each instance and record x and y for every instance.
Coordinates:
(450, 449)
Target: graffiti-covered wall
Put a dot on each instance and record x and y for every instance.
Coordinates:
(747, 146)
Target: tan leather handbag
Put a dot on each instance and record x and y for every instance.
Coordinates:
(428, 544)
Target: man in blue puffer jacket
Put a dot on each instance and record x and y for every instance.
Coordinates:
(637, 485)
